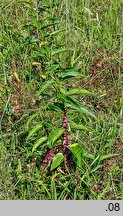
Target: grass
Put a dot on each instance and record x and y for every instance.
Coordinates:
(53, 43)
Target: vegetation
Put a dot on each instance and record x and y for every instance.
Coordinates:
(61, 99)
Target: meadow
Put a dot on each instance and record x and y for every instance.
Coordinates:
(61, 100)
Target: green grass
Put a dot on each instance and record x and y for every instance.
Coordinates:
(52, 43)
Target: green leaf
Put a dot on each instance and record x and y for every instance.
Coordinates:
(77, 150)
(69, 69)
(58, 51)
(48, 124)
(87, 155)
(44, 87)
(62, 91)
(34, 41)
(45, 51)
(34, 129)
(54, 135)
(56, 32)
(46, 26)
(78, 91)
(52, 107)
(57, 160)
(19, 167)
(56, 106)
(60, 105)
(42, 9)
(37, 54)
(75, 126)
(74, 105)
(87, 111)
(38, 143)
(108, 156)
(26, 1)
(30, 119)
(70, 75)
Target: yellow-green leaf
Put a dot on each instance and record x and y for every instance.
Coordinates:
(58, 51)
(44, 87)
(77, 150)
(70, 74)
(57, 160)
(77, 106)
(34, 129)
(78, 91)
(78, 126)
(54, 135)
(38, 143)
(30, 119)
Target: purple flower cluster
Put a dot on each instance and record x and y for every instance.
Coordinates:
(49, 157)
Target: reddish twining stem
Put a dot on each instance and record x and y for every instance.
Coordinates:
(66, 137)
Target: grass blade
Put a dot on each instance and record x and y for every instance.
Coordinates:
(53, 187)
(108, 156)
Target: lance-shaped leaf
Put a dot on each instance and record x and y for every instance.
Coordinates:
(52, 107)
(54, 135)
(57, 160)
(60, 105)
(26, 1)
(78, 91)
(69, 75)
(77, 150)
(58, 51)
(44, 87)
(69, 69)
(46, 26)
(75, 126)
(34, 130)
(74, 105)
(38, 143)
(30, 119)
(37, 54)
(56, 32)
